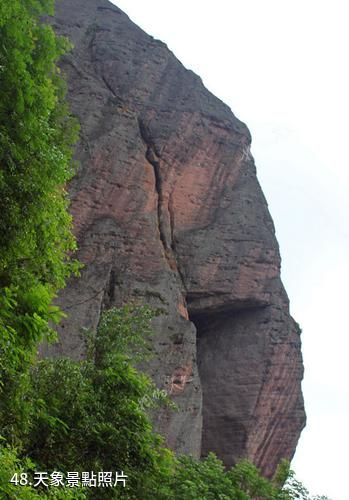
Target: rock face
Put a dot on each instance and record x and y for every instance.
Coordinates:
(168, 211)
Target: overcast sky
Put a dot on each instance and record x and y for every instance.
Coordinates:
(282, 67)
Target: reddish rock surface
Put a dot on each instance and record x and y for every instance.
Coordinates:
(168, 210)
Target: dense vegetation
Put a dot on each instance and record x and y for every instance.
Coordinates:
(36, 135)
(92, 415)
(63, 415)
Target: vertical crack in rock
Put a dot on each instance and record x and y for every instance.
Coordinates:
(109, 294)
(150, 155)
(164, 216)
(171, 213)
(107, 84)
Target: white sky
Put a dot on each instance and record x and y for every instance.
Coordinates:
(282, 67)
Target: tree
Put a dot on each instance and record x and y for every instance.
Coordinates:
(36, 137)
(15, 483)
(91, 415)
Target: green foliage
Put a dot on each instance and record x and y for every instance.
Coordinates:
(36, 135)
(208, 479)
(205, 479)
(36, 138)
(90, 414)
(126, 331)
(10, 465)
(250, 484)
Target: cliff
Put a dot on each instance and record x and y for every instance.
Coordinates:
(168, 210)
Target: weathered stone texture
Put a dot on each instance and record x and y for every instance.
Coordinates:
(168, 210)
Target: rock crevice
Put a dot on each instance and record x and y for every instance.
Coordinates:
(165, 212)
